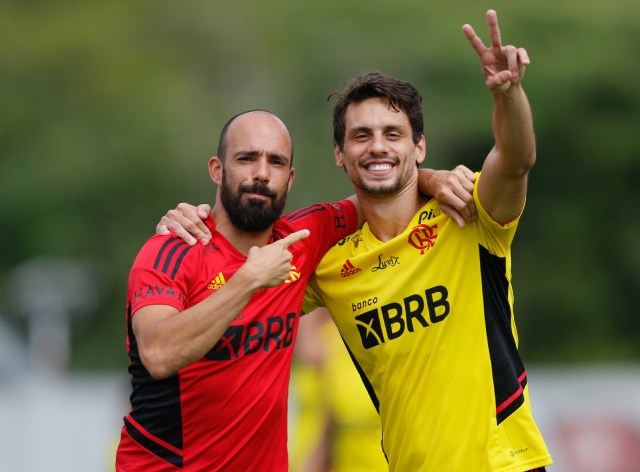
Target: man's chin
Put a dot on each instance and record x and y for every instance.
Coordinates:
(380, 188)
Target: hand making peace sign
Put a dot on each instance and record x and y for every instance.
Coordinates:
(501, 66)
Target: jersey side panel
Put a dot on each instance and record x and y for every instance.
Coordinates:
(518, 433)
(162, 274)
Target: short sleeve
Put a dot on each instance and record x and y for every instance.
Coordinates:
(163, 272)
(311, 300)
(495, 237)
(328, 223)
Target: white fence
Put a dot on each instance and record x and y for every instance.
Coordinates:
(589, 416)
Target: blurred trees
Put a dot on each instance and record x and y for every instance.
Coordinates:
(109, 112)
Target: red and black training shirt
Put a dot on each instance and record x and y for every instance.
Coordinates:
(228, 410)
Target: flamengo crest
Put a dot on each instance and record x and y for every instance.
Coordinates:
(423, 237)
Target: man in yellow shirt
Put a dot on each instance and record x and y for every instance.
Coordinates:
(425, 308)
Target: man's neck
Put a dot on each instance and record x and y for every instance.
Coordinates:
(239, 239)
(389, 216)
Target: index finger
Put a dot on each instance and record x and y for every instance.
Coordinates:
(494, 31)
(476, 42)
(295, 237)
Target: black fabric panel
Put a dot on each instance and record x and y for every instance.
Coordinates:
(506, 364)
(153, 447)
(513, 406)
(365, 380)
(156, 403)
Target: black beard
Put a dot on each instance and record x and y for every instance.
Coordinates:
(256, 216)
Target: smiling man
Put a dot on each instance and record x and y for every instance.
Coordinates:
(433, 335)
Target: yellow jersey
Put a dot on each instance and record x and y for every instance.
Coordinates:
(427, 318)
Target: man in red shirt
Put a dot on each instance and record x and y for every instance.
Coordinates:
(211, 327)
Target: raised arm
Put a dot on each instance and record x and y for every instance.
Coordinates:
(503, 187)
(169, 340)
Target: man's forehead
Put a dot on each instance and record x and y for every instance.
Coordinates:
(257, 126)
(258, 132)
(375, 111)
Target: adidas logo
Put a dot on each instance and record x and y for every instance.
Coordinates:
(217, 282)
(348, 269)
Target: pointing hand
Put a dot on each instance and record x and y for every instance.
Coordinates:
(270, 266)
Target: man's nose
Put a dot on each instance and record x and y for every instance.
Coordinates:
(261, 173)
(378, 145)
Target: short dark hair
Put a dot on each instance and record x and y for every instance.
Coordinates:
(222, 144)
(401, 95)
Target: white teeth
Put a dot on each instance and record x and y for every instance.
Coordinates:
(380, 167)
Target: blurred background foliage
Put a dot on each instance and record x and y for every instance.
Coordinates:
(109, 112)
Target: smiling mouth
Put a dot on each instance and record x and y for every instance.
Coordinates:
(378, 167)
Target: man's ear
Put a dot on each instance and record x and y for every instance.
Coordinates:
(292, 176)
(422, 150)
(338, 153)
(215, 169)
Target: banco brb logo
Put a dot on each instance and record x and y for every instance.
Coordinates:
(402, 316)
(422, 237)
(370, 329)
